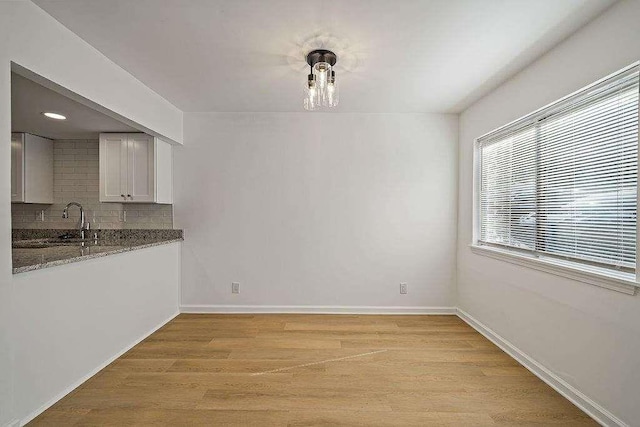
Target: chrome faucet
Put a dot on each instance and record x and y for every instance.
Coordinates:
(84, 226)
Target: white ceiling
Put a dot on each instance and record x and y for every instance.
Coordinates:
(393, 55)
(29, 100)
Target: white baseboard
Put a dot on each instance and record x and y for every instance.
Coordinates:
(315, 309)
(591, 408)
(72, 387)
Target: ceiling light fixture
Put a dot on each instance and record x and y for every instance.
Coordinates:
(54, 116)
(321, 89)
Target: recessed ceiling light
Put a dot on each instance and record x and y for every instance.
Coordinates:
(55, 116)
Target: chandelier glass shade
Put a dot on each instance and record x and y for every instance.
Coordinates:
(321, 88)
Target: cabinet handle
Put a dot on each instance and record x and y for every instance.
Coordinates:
(129, 196)
(122, 195)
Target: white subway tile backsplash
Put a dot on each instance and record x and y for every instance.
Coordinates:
(76, 178)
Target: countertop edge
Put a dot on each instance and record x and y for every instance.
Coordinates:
(27, 268)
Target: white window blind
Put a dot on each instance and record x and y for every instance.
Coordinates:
(562, 182)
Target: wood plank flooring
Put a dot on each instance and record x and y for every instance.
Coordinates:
(308, 370)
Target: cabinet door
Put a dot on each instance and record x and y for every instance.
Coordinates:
(113, 167)
(38, 169)
(141, 177)
(17, 167)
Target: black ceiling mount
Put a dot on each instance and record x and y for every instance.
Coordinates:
(321, 55)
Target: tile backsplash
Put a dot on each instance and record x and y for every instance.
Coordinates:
(76, 178)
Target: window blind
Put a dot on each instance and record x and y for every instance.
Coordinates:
(562, 182)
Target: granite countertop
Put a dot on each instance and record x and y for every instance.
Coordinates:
(37, 249)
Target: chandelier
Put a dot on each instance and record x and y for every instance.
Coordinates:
(321, 89)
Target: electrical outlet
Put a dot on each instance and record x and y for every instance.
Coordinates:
(403, 288)
(235, 288)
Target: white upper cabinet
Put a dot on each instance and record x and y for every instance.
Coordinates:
(31, 169)
(113, 167)
(135, 168)
(141, 177)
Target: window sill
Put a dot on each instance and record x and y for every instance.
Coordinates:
(619, 282)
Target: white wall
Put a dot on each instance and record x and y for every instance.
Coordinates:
(587, 335)
(33, 39)
(317, 209)
(71, 319)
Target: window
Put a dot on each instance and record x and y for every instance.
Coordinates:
(561, 183)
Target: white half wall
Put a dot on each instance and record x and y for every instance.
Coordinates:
(72, 319)
(587, 336)
(313, 209)
(33, 39)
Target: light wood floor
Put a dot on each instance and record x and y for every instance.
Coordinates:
(301, 370)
